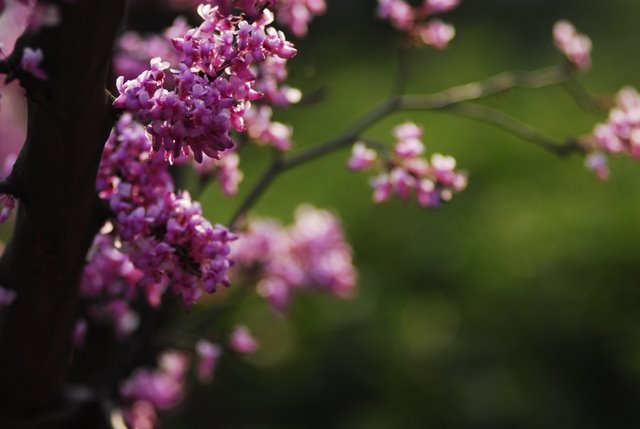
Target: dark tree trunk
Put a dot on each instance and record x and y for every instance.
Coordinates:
(59, 214)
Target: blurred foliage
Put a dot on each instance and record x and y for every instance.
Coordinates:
(516, 305)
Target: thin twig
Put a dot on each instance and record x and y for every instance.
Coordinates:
(261, 185)
(402, 73)
(492, 86)
(514, 126)
(582, 97)
(348, 137)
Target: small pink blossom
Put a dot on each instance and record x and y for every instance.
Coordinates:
(7, 297)
(31, 61)
(141, 415)
(575, 46)
(440, 6)
(418, 22)
(436, 33)
(208, 356)
(241, 341)
(361, 157)
(296, 14)
(80, 333)
(597, 162)
(163, 388)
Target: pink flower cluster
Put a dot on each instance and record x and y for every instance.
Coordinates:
(311, 254)
(163, 233)
(620, 134)
(109, 283)
(212, 86)
(407, 173)
(418, 23)
(135, 51)
(297, 14)
(576, 47)
(271, 76)
(294, 14)
(41, 13)
(262, 130)
(226, 170)
(149, 390)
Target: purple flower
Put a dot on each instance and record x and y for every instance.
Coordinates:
(408, 174)
(361, 157)
(436, 33)
(311, 254)
(163, 388)
(417, 23)
(296, 14)
(208, 356)
(31, 61)
(597, 162)
(241, 341)
(214, 84)
(575, 46)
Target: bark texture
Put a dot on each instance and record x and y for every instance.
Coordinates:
(60, 213)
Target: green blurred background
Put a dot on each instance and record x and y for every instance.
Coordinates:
(517, 305)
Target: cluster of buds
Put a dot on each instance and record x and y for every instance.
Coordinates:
(575, 46)
(163, 233)
(407, 173)
(418, 22)
(134, 51)
(311, 254)
(213, 84)
(293, 14)
(150, 390)
(620, 134)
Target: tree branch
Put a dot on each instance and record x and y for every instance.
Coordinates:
(515, 127)
(441, 100)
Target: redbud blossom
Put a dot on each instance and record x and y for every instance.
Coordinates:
(597, 162)
(163, 388)
(241, 341)
(296, 14)
(208, 356)
(418, 22)
(7, 296)
(311, 254)
(361, 157)
(575, 46)
(163, 233)
(620, 134)
(213, 84)
(79, 333)
(31, 60)
(408, 174)
(436, 33)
